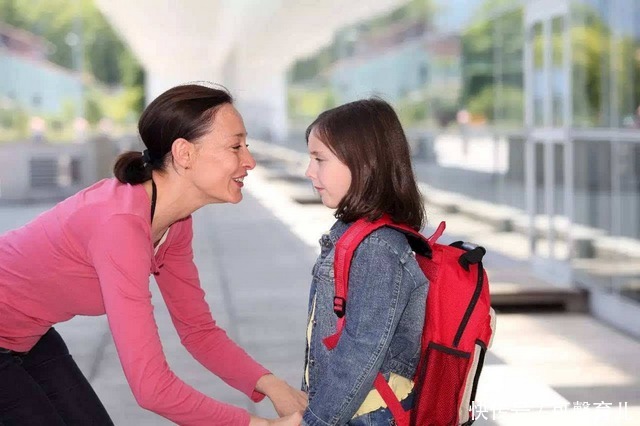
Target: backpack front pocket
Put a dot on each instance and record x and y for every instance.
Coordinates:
(445, 370)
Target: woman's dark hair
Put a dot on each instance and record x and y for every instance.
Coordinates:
(181, 112)
(367, 136)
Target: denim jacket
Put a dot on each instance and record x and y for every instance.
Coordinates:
(384, 318)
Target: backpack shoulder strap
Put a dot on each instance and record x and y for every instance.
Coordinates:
(345, 248)
(344, 251)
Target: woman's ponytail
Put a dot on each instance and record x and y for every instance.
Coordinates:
(131, 168)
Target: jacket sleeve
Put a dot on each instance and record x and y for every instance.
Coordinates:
(375, 302)
(121, 251)
(179, 284)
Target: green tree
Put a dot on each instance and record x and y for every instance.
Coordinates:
(59, 21)
(492, 52)
(9, 13)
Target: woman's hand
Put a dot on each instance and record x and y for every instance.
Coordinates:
(292, 420)
(285, 399)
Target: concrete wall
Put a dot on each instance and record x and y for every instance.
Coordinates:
(32, 172)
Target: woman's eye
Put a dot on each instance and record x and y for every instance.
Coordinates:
(237, 147)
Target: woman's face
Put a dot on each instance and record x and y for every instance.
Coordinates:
(330, 176)
(222, 158)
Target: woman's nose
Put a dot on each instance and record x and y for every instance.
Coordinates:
(249, 162)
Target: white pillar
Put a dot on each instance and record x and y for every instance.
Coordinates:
(260, 90)
(155, 84)
(158, 82)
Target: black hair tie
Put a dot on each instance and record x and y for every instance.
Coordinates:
(146, 157)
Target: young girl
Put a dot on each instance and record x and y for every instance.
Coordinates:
(360, 165)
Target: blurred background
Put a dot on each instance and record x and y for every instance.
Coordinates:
(522, 114)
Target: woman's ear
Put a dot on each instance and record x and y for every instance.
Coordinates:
(183, 153)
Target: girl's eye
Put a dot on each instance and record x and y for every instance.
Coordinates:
(319, 160)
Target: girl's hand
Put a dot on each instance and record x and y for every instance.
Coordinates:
(285, 399)
(292, 420)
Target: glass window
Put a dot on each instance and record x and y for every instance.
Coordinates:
(590, 66)
(539, 89)
(606, 64)
(558, 77)
(492, 61)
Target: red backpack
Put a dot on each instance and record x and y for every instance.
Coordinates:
(457, 330)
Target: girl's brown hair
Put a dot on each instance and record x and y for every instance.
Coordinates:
(367, 136)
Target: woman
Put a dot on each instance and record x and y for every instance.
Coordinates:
(93, 253)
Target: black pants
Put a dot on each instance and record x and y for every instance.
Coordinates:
(46, 387)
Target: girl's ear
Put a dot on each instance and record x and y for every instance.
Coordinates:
(183, 153)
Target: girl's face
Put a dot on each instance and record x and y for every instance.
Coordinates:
(330, 176)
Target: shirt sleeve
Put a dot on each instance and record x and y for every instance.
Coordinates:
(375, 304)
(179, 283)
(121, 254)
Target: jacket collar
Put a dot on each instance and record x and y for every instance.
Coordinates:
(337, 230)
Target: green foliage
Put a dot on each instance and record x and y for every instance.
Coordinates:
(412, 111)
(596, 54)
(479, 44)
(92, 108)
(507, 105)
(311, 67)
(121, 106)
(412, 11)
(105, 56)
(14, 123)
(9, 13)
(304, 104)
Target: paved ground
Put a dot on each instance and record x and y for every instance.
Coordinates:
(255, 260)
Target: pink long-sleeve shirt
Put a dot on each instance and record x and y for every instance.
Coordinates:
(92, 254)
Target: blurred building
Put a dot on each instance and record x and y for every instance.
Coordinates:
(535, 103)
(392, 60)
(29, 80)
(529, 105)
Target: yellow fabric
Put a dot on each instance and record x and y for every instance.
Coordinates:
(309, 331)
(401, 386)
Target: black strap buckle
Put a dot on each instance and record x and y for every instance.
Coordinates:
(471, 257)
(339, 306)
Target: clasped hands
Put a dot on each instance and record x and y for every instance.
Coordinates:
(288, 402)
